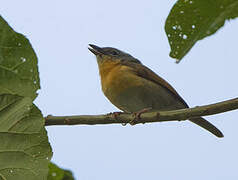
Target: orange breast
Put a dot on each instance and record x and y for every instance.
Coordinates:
(116, 78)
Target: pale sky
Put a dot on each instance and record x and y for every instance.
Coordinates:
(60, 32)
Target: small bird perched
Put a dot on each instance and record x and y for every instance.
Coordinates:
(132, 87)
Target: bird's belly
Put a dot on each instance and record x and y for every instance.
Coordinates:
(145, 94)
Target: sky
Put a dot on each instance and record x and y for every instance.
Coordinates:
(60, 32)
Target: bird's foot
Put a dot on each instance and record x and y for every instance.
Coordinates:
(138, 114)
(115, 116)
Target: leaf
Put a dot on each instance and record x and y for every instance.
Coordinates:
(18, 63)
(193, 20)
(56, 173)
(24, 151)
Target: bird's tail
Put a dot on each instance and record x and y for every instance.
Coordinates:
(207, 125)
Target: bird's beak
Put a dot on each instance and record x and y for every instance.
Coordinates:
(95, 49)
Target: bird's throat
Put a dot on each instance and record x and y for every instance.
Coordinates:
(106, 67)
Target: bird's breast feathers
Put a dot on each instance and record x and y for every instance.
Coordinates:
(118, 79)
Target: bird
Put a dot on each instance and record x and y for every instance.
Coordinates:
(133, 87)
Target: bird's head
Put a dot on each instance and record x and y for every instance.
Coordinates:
(109, 54)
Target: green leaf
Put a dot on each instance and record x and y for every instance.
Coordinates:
(24, 151)
(18, 63)
(56, 173)
(193, 20)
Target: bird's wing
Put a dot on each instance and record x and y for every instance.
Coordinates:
(148, 74)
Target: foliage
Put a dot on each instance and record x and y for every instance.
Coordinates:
(25, 151)
(56, 173)
(193, 20)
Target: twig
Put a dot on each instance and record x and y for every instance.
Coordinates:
(159, 116)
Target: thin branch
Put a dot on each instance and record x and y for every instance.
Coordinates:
(160, 116)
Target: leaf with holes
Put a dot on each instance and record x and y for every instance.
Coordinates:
(193, 20)
(24, 151)
(18, 63)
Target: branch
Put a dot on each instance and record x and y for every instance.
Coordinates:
(149, 117)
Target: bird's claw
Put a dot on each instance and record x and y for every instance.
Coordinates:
(137, 116)
(115, 116)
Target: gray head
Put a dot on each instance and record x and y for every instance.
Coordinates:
(109, 53)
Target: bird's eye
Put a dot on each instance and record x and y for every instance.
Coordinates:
(114, 53)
